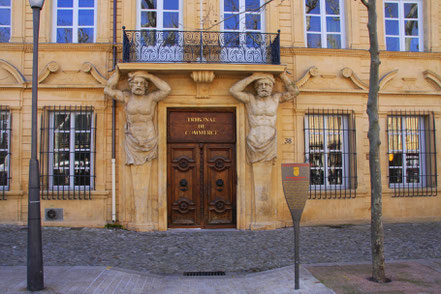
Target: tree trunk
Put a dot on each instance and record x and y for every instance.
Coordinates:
(377, 232)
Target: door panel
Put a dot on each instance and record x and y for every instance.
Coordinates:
(220, 181)
(201, 185)
(183, 185)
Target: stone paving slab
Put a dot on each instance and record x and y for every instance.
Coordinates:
(406, 277)
(97, 280)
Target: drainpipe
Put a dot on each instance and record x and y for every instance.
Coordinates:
(200, 15)
(114, 122)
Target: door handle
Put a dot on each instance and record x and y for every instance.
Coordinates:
(183, 185)
(219, 185)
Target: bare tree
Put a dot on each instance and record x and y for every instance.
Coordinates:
(377, 231)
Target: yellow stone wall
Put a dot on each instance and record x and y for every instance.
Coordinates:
(75, 74)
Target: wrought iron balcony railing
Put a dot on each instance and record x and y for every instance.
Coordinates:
(200, 47)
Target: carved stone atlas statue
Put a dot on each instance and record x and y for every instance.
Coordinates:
(141, 139)
(261, 145)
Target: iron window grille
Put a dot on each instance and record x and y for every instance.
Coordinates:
(5, 149)
(330, 151)
(412, 154)
(67, 152)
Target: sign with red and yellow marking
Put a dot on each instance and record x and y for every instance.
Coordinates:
(295, 182)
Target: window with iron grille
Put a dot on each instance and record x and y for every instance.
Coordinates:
(411, 154)
(67, 152)
(330, 150)
(5, 150)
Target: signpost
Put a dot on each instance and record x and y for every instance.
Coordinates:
(295, 181)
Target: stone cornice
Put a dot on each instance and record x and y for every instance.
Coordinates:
(27, 47)
(192, 67)
(288, 51)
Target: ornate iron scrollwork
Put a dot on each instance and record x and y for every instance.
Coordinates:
(200, 47)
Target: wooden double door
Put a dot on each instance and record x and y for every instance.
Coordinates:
(201, 176)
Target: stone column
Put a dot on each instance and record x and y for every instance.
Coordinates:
(142, 197)
(264, 209)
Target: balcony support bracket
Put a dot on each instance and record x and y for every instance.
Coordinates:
(203, 80)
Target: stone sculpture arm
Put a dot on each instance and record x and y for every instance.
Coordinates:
(293, 90)
(110, 88)
(237, 90)
(163, 88)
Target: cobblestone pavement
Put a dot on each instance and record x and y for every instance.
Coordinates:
(177, 251)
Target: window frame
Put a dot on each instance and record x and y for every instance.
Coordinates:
(249, 39)
(242, 20)
(323, 25)
(6, 169)
(160, 16)
(344, 150)
(72, 150)
(401, 21)
(75, 19)
(10, 20)
(403, 133)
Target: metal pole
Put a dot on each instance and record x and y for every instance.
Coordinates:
(296, 254)
(35, 252)
(114, 122)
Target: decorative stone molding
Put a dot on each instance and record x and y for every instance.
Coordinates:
(387, 78)
(312, 72)
(88, 67)
(433, 77)
(13, 72)
(202, 76)
(202, 79)
(349, 74)
(85, 77)
(51, 67)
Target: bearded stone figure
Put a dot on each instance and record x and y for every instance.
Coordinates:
(262, 113)
(261, 144)
(140, 107)
(141, 139)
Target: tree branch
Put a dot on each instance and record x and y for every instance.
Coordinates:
(365, 3)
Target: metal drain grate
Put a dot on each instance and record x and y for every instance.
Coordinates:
(198, 274)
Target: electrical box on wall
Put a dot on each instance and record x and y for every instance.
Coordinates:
(53, 214)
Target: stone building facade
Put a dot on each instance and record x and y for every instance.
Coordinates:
(201, 174)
